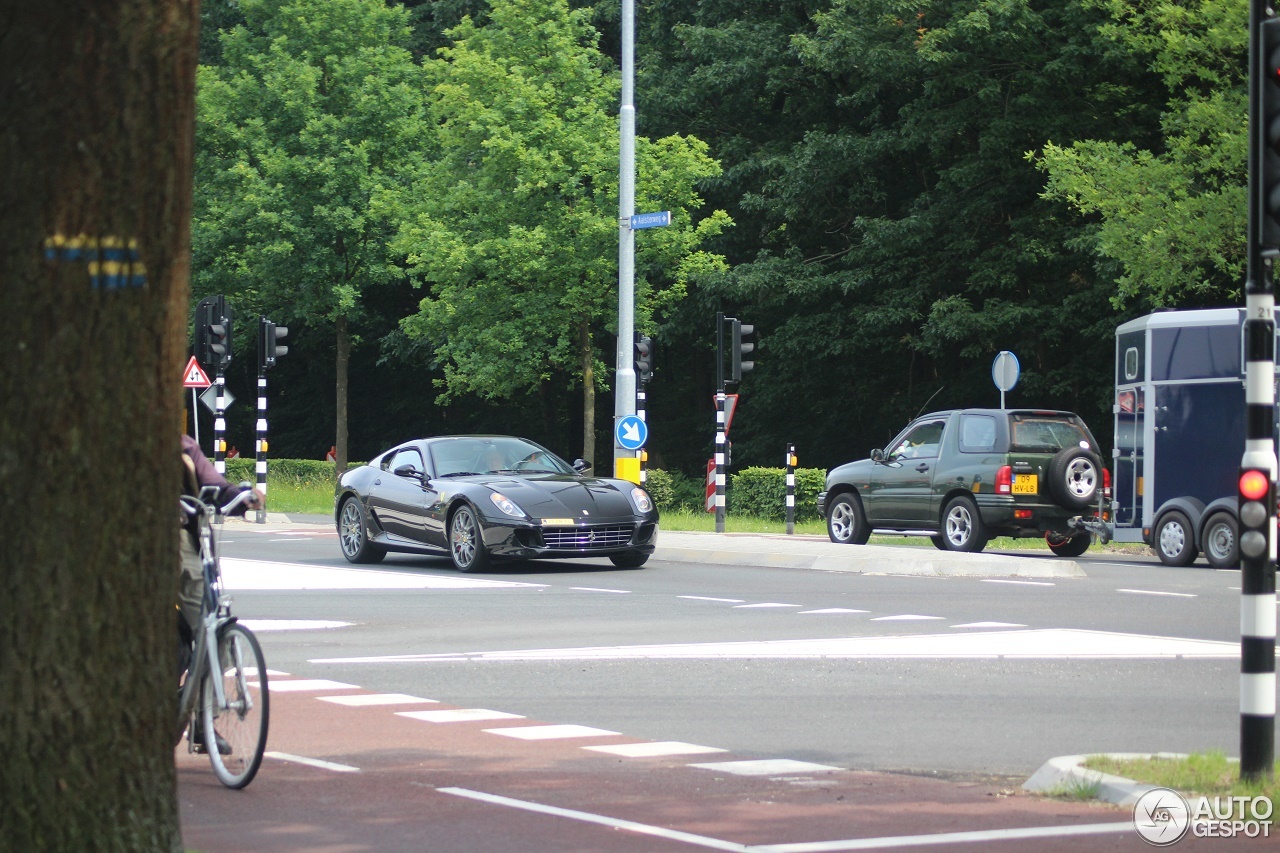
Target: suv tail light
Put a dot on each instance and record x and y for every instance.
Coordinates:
(1004, 480)
(1106, 483)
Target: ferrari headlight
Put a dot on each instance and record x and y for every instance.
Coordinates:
(507, 505)
(642, 500)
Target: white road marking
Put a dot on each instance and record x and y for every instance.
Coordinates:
(765, 767)
(1157, 592)
(460, 715)
(833, 610)
(1020, 583)
(765, 604)
(708, 598)
(587, 817)
(367, 699)
(312, 762)
(264, 625)
(1013, 644)
(238, 574)
(906, 617)
(597, 589)
(654, 749)
(551, 732)
(989, 625)
(303, 685)
(979, 836)
(887, 843)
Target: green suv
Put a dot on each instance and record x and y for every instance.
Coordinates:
(967, 475)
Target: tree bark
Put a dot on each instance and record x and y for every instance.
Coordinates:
(342, 372)
(96, 126)
(588, 393)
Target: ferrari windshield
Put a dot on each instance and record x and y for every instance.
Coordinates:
(458, 457)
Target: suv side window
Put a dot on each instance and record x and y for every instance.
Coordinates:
(977, 434)
(920, 442)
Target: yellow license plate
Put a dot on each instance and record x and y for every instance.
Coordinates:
(1026, 484)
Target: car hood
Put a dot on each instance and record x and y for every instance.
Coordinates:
(562, 495)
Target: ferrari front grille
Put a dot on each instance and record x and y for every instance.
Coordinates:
(590, 536)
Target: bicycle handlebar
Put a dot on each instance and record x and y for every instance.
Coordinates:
(197, 505)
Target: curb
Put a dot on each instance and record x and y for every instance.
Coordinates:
(1068, 772)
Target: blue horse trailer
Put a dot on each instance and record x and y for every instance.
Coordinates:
(1179, 433)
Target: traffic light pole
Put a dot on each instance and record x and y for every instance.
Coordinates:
(1257, 506)
(720, 431)
(260, 446)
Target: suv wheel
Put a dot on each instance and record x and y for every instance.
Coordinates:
(962, 527)
(1075, 475)
(1174, 540)
(1220, 535)
(846, 522)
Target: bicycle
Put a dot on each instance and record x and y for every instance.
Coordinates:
(223, 700)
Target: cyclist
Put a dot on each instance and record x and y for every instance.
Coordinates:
(198, 471)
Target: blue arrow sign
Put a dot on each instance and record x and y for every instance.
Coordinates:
(650, 220)
(631, 433)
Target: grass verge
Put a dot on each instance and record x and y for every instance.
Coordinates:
(1203, 774)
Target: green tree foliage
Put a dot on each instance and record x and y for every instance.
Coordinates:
(305, 133)
(514, 226)
(1173, 214)
(892, 236)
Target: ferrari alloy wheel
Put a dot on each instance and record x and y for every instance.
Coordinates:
(466, 544)
(353, 535)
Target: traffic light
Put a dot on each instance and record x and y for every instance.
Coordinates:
(644, 358)
(212, 329)
(1268, 112)
(269, 346)
(1257, 508)
(740, 348)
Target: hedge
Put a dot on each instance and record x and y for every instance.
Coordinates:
(760, 492)
(300, 472)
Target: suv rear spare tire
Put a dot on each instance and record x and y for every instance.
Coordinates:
(1075, 476)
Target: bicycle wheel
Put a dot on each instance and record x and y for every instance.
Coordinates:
(236, 735)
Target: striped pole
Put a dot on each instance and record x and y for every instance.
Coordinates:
(791, 489)
(720, 461)
(1257, 545)
(219, 430)
(260, 447)
(641, 454)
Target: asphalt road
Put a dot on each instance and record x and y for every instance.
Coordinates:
(931, 711)
(735, 702)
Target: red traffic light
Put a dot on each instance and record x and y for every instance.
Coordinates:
(1254, 484)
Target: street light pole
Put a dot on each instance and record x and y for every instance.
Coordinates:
(624, 387)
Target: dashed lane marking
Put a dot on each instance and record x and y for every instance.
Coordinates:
(1012, 644)
(654, 749)
(766, 767)
(309, 685)
(598, 589)
(1158, 592)
(265, 625)
(239, 574)
(312, 762)
(459, 715)
(551, 732)
(368, 699)
(709, 598)
(1019, 583)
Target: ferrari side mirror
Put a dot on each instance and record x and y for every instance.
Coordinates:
(581, 465)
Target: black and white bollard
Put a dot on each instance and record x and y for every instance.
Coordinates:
(720, 439)
(791, 489)
(260, 448)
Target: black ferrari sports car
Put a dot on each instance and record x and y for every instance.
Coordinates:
(483, 496)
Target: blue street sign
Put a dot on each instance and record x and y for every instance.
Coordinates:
(631, 433)
(650, 220)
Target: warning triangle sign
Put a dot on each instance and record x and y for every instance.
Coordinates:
(193, 376)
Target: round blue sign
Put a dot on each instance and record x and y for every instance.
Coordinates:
(631, 433)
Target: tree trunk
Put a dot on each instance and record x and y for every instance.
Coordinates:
(342, 366)
(588, 394)
(96, 120)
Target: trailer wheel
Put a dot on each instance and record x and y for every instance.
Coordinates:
(1075, 475)
(1220, 537)
(1175, 540)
